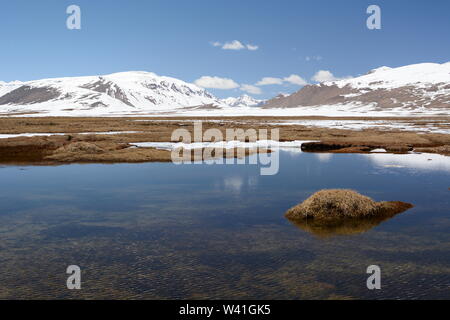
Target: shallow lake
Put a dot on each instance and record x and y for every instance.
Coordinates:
(165, 231)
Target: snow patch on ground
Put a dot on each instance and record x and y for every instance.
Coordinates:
(223, 144)
(372, 124)
(437, 126)
(422, 161)
(53, 108)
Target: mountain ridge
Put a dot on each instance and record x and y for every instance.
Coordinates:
(423, 86)
(118, 91)
(409, 90)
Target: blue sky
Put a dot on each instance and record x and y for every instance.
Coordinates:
(174, 38)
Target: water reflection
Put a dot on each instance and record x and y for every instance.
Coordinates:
(233, 184)
(324, 157)
(418, 161)
(341, 227)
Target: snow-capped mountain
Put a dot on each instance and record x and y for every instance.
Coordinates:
(419, 89)
(413, 89)
(242, 101)
(126, 92)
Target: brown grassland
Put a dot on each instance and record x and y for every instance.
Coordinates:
(116, 147)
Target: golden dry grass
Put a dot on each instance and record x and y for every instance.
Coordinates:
(80, 147)
(341, 203)
(445, 150)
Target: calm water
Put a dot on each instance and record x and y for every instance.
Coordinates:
(160, 231)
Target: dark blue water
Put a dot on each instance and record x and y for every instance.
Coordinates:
(161, 231)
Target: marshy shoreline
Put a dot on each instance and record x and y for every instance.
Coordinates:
(57, 140)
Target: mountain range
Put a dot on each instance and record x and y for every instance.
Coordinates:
(414, 88)
(409, 90)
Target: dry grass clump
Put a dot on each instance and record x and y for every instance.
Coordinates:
(129, 155)
(445, 150)
(27, 149)
(335, 204)
(356, 146)
(80, 147)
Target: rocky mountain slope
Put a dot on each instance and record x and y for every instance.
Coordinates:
(415, 89)
(126, 92)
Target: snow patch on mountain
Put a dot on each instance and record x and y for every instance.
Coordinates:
(242, 101)
(419, 75)
(418, 89)
(118, 92)
(414, 90)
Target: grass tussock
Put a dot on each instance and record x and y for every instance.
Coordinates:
(343, 204)
(84, 147)
(445, 150)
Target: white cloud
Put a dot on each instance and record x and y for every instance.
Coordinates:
(295, 79)
(251, 89)
(233, 45)
(323, 76)
(225, 84)
(269, 81)
(216, 83)
(292, 79)
(252, 47)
